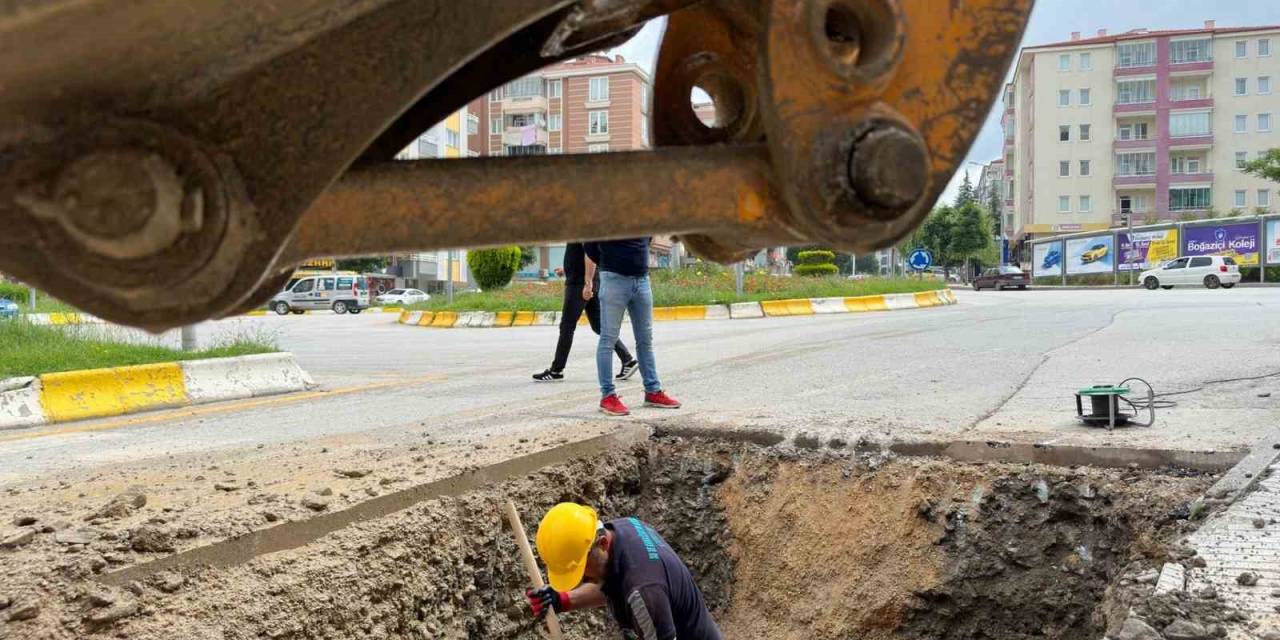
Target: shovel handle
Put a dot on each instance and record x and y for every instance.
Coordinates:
(530, 565)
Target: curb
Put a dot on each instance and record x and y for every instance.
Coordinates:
(735, 311)
(74, 317)
(98, 393)
(266, 312)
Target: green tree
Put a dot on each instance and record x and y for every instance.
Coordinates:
(994, 206)
(966, 193)
(367, 264)
(953, 235)
(842, 260)
(1267, 166)
(528, 256)
(868, 264)
(494, 268)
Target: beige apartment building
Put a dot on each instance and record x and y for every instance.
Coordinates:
(1155, 125)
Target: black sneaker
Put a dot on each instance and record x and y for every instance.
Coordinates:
(549, 376)
(628, 370)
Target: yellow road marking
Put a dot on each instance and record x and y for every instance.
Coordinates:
(238, 405)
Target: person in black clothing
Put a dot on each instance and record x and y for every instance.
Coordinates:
(574, 304)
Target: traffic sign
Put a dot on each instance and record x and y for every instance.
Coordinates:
(919, 259)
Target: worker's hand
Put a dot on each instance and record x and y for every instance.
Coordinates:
(545, 599)
(587, 292)
(559, 272)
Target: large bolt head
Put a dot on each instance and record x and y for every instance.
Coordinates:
(111, 194)
(889, 167)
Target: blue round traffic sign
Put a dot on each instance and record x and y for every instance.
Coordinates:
(919, 259)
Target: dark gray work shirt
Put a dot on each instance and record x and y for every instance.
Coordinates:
(623, 257)
(651, 593)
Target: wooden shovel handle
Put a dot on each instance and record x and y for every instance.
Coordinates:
(530, 565)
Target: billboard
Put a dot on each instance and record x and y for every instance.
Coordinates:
(1239, 241)
(1047, 257)
(1273, 241)
(1095, 254)
(1147, 249)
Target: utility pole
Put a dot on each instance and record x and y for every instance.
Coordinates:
(448, 283)
(189, 337)
(1133, 245)
(31, 298)
(737, 276)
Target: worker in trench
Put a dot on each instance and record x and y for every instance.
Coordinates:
(622, 564)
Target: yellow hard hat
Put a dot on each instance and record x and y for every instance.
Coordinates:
(564, 539)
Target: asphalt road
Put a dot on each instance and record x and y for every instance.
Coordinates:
(996, 365)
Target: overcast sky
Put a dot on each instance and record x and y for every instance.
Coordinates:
(1053, 21)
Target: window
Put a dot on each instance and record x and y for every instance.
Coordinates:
(527, 87)
(1264, 47)
(1085, 132)
(1241, 123)
(1135, 131)
(1201, 261)
(1264, 198)
(598, 90)
(1084, 97)
(1064, 168)
(1126, 204)
(1135, 91)
(1240, 198)
(305, 286)
(427, 148)
(452, 138)
(1182, 125)
(644, 97)
(1064, 98)
(1264, 122)
(1181, 51)
(1264, 85)
(644, 131)
(1084, 167)
(597, 123)
(555, 150)
(1241, 158)
(1086, 204)
(525, 150)
(1242, 86)
(1064, 133)
(1064, 62)
(1180, 263)
(1242, 48)
(598, 148)
(1136, 164)
(1142, 54)
(1184, 165)
(495, 124)
(1186, 198)
(554, 123)
(553, 88)
(495, 95)
(473, 126)
(1185, 90)
(1064, 204)
(1086, 61)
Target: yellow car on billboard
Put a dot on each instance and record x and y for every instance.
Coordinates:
(1095, 253)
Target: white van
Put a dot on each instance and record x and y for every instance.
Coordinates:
(342, 293)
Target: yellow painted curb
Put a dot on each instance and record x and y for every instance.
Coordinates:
(866, 303)
(505, 318)
(426, 318)
(256, 312)
(583, 319)
(393, 309)
(444, 319)
(404, 317)
(74, 395)
(58, 317)
(800, 307)
(691, 312)
(523, 319)
(775, 308)
(927, 299)
(664, 314)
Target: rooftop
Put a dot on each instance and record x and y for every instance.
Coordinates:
(1141, 34)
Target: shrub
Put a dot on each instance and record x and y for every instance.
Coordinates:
(816, 270)
(494, 268)
(816, 256)
(13, 291)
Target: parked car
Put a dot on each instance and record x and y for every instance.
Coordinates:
(8, 309)
(403, 296)
(1095, 253)
(1051, 259)
(1001, 278)
(1210, 271)
(338, 292)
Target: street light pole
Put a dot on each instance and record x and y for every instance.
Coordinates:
(1133, 246)
(189, 337)
(31, 298)
(737, 276)
(448, 283)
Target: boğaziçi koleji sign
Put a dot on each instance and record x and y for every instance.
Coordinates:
(1273, 241)
(1147, 249)
(1240, 241)
(1095, 254)
(1048, 259)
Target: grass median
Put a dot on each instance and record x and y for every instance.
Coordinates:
(685, 287)
(28, 349)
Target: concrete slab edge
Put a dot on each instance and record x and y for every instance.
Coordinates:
(734, 311)
(97, 393)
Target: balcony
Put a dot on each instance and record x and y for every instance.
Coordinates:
(1188, 178)
(1135, 143)
(1193, 67)
(1191, 142)
(524, 104)
(1134, 181)
(1135, 107)
(1136, 70)
(515, 136)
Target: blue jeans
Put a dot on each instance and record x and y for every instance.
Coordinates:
(619, 293)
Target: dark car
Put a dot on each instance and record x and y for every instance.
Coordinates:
(1051, 259)
(1002, 278)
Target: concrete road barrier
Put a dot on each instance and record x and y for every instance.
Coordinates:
(97, 393)
(735, 311)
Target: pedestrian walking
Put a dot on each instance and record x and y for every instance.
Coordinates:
(571, 310)
(624, 287)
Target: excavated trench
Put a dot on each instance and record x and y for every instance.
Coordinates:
(785, 543)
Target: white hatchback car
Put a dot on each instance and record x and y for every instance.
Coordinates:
(1210, 271)
(403, 296)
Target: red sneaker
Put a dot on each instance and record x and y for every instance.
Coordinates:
(660, 400)
(613, 406)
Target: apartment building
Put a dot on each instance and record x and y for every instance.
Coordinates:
(1155, 125)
